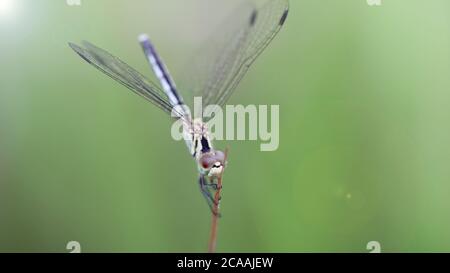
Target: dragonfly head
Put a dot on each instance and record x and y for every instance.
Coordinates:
(212, 163)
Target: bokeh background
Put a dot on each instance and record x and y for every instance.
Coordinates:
(364, 132)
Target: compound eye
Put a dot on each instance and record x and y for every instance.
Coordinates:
(219, 156)
(207, 160)
(205, 165)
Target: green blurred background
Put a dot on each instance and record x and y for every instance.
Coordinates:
(364, 132)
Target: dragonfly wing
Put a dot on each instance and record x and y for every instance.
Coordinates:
(231, 50)
(268, 22)
(123, 73)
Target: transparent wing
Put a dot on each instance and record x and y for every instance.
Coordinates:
(220, 66)
(124, 74)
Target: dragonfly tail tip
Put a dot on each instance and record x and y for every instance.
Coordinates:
(143, 38)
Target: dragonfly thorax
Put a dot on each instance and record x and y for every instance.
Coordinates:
(210, 162)
(197, 137)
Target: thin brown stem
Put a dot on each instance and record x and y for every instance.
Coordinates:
(215, 218)
(216, 211)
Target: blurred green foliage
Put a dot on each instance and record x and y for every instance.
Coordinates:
(364, 132)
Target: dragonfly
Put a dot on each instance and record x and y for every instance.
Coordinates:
(213, 75)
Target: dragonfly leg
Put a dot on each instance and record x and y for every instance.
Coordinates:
(208, 195)
(213, 186)
(205, 191)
